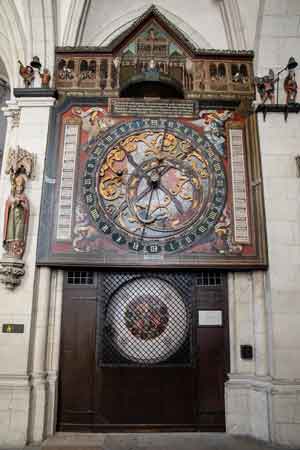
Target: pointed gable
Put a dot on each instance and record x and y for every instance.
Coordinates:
(152, 32)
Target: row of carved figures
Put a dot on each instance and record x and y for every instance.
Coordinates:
(110, 69)
(192, 75)
(266, 87)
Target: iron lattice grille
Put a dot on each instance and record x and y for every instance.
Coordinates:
(145, 319)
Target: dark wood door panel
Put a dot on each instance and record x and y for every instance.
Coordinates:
(146, 396)
(135, 398)
(77, 370)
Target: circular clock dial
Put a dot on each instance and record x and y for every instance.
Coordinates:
(148, 320)
(154, 185)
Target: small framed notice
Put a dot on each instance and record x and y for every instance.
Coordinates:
(210, 318)
(12, 328)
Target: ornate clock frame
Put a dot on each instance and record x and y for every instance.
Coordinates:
(210, 180)
(71, 183)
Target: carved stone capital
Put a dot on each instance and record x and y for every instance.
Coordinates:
(15, 118)
(12, 112)
(11, 272)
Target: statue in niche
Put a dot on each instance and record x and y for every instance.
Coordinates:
(20, 166)
(16, 218)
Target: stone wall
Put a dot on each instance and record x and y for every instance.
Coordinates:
(279, 146)
(18, 306)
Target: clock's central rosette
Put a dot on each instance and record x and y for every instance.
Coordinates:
(146, 317)
(160, 186)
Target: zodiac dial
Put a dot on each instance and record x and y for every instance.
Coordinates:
(154, 185)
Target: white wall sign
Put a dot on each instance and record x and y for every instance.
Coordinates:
(210, 318)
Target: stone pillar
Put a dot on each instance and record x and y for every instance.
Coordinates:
(248, 390)
(260, 324)
(53, 349)
(16, 355)
(40, 315)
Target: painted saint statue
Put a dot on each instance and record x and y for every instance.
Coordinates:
(16, 219)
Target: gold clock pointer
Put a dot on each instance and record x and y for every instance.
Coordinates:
(147, 213)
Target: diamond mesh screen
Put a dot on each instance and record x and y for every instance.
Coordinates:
(145, 319)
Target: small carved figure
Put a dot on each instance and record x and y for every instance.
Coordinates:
(16, 219)
(291, 87)
(66, 74)
(45, 78)
(27, 73)
(35, 63)
(266, 86)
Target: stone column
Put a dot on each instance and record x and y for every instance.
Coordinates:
(40, 316)
(20, 353)
(53, 349)
(248, 388)
(260, 324)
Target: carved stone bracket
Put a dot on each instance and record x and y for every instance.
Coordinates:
(11, 272)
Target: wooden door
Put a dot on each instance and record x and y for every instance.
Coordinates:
(212, 354)
(138, 398)
(77, 361)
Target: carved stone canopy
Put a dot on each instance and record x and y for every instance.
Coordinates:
(20, 161)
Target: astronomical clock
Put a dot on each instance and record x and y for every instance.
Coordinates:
(153, 189)
(137, 190)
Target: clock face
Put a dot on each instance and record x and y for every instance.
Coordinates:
(154, 185)
(147, 320)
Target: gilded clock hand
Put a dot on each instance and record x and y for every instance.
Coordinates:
(147, 213)
(162, 142)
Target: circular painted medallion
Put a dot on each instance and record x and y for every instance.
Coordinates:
(148, 320)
